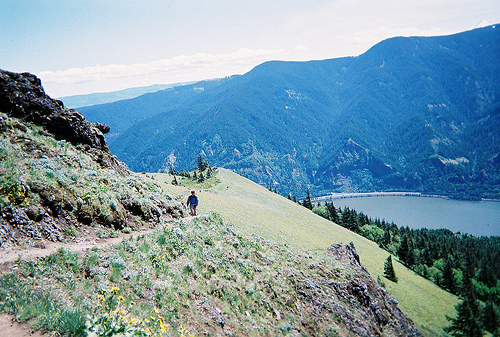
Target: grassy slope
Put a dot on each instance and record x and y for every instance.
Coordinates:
(254, 209)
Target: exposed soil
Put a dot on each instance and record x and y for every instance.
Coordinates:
(9, 327)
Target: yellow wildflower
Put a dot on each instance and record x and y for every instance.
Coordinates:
(164, 327)
(156, 310)
(114, 290)
(121, 299)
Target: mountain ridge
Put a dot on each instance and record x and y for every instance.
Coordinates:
(406, 100)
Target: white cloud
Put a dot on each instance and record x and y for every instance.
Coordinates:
(300, 47)
(176, 69)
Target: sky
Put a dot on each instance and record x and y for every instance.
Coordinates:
(86, 46)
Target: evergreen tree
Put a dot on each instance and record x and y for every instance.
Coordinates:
(466, 323)
(201, 178)
(332, 211)
(403, 250)
(295, 199)
(468, 311)
(448, 278)
(275, 190)
(174, 182)
(307, 203)
(200, 163)
(386, 240)
(491, 318)
(289, 196)
(389, 271)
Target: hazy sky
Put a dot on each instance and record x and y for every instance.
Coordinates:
(83, 46)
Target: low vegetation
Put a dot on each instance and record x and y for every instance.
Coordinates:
(197, 276)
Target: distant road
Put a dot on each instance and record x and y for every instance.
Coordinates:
(372, 194)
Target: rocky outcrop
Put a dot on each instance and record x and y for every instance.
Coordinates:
(22, 96)
(359, 304)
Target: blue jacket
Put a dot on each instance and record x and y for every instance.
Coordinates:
(192, 200)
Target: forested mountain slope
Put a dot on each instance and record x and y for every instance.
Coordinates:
(416, 113)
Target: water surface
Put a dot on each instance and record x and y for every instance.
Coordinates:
(481, 218)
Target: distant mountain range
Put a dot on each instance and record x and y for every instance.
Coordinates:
(415, 113)
(78, 101)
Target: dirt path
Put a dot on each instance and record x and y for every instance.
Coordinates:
(85, 241)
(11, 328)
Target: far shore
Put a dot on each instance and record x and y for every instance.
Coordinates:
(332, 196)
(374, 194)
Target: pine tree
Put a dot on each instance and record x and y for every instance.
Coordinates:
(332, 211)
(389, 271)
(200, 163)
(403, 250)
(491, 317)
(289, 196)
(201, 178)
(295, 199)
(386, 240)
(448, 278)
(174, 182)
(466, 323)
(307, 203)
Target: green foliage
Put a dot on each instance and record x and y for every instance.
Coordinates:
(467, 323)
(389, 271)
(46, 311)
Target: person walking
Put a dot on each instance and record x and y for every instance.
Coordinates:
(192, 202)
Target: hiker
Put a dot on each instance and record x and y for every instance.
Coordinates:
(192, 202)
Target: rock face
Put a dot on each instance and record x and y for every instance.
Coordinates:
(22, 96)
(375, 313)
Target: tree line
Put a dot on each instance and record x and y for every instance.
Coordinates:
(201, 172)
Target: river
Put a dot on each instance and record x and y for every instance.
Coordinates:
(481, 218)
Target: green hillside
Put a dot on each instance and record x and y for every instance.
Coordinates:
(256, 210)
